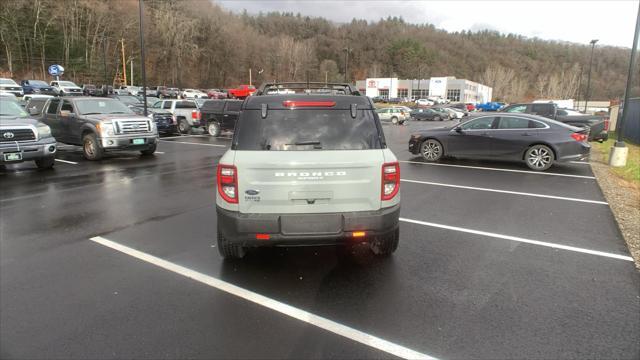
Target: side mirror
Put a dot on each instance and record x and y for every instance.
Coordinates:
(33, 111)
(458, 129)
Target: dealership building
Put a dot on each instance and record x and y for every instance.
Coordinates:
(456, 90)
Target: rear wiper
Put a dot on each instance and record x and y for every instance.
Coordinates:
(306, 143)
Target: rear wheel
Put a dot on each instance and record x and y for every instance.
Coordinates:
(228, 250)
(387, 244)
(539, 157)
(394, 120)
(431, 150)
(437, 118)
(183, 126)
(91, 148)
(213, 128)
(45, 162)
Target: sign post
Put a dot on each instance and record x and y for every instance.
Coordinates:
(56, 70)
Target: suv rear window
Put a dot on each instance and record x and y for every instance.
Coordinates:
(307, 130)
(185, 105)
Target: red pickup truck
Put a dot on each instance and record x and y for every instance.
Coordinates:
(242, 91)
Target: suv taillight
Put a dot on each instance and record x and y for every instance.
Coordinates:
(228, 183)
(195, 114)
(606, 124)
(579, 137)
(390, 180)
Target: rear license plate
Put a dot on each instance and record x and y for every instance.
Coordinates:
(13, 156)
(311, 224)
(138, 141)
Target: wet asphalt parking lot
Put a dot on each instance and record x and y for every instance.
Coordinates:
(117, 259)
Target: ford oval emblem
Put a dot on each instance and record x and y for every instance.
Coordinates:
(252, 192)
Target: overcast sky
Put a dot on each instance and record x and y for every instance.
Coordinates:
(612, 22)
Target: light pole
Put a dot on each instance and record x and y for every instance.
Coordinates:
(346, 50)
(586, 95)
(142, 70)
(619, 151)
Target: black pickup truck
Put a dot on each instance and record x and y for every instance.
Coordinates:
(219, 115)
(598, 125)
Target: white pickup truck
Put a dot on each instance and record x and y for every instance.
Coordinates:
(66, 88)
(185, 112)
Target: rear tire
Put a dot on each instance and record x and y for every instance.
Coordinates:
(228, 250)
(394, 120)
(91, 148)
(387, 244)
(437, 118)
(539, 157)
(45, 162)
(183, 126)
(213, 128)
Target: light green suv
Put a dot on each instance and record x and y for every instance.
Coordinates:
(307, 170)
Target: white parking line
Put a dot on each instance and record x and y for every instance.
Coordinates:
(182, 136)
(159, 152)
(519, 239)
(499, 169)
(579, 162)
(190, 143)
(302, 315)
(67, 161)
(506, 192)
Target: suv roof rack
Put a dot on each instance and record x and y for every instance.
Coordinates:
(273, 88)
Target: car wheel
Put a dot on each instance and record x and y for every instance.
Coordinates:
(45, 162)
(183, 126)
(228, 250)
(539, 157)
(394, 120)
(150, 150)
(213, 128)
(437, 118)
(91, 148)
(387, 244)
(431, 150)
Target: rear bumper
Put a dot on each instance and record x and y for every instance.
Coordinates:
(30, 150)
(573, 154)
(242, 228)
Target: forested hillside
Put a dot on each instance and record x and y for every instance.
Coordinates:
(194, 43)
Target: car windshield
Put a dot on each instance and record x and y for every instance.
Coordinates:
(11, 108)
(7, 82)
(129, 100)
(101, 106)
(306, 130)
(66, 83)
(38, 82)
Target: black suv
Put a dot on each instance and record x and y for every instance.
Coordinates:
(220, 115)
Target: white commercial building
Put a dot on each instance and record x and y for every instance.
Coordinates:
(456, 90)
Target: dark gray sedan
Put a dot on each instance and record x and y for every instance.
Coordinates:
(536, 140)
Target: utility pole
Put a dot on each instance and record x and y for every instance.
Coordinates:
(620, 151)
(249, 76)
(131, 67)
(346, 50)
(124, 63)
(143, 72)
(586, 97)
(104, 60)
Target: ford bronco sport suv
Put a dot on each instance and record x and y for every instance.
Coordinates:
(307, 169)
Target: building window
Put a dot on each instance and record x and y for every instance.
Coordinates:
(403, 93)
(419, 94)
(453, 94)
(383, 93)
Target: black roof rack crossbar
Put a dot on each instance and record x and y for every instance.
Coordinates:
(348, 89)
